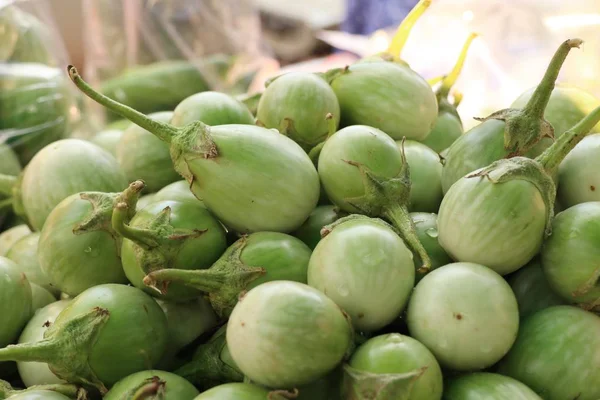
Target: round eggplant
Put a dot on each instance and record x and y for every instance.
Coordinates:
(466, 314)
(283, 334)
(365, 268)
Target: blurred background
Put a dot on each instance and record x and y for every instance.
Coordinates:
(267, 37)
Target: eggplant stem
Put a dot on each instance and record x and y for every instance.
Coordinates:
(400, 218)
(541, 95)
(120, 223)
(163, 131)
(434, 80)
(201, 279)
(449, 80)
(403, 32)
(551, 158)
(65, 348)
(223, 281)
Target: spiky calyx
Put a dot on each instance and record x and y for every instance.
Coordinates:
(207, 369)
(526, 127)
(66, 348)
(361, 385)
(389, 198)
(224, 281)
(158, 242)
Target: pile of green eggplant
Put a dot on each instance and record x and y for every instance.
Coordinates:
(342, 238)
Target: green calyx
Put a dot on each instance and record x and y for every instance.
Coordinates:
(522, 168)
(224, 281)
(65, 348)
(526, 127)
(158, 242)
(100, 217)
(539, 172)
(389, 198)
(207, 368)
(287, 129)
(71, 391)
(361, 385)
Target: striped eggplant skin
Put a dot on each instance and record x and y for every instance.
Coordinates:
(386, 364)
(578, 177)
(285, 334)
(571, 255)
(361, 144)
(108, 140)
(448, 128)
(143, 156)
(366, 269)
(40, 394)
(251, 178)
(297, 103)
(387, 96)
(486, 385)
(165, 385)
(259, 181)
(477, 148)
(212, 108)
(568, 105)
(15, 301)
(500, 225)
(532, 290)
(465, 314)
(425, 177)
(557, 354)
(64, 168)
(427, 231)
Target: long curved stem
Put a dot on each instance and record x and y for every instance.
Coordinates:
(163, 131)
(435, 79)
(555, 154)
(541, 95)
(401, 36)
(204, 280)
(450, 79)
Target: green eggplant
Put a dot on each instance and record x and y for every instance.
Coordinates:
(251, 178)
(506, 133)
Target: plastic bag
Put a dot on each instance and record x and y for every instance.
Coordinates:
(151, 54)
(37, 103)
